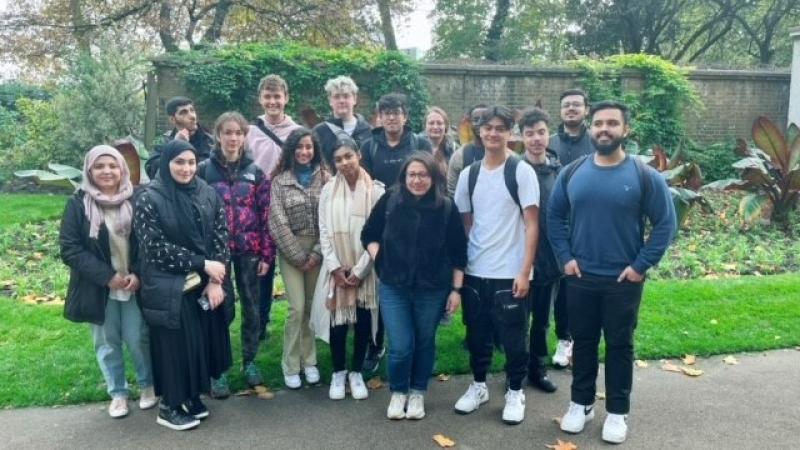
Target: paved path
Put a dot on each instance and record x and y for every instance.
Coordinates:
(752, 405)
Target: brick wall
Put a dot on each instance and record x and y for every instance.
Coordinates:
(732, 99)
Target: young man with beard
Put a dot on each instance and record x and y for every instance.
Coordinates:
(534, 127)
(468, 153)
(265, 138)
(342, 97)
(570, 142)
(499, 199)
(383, 155)
(183, 118)
(596, 226)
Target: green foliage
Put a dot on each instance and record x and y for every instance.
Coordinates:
(35, 142)
(227, 78)
(715, 160)
(658, 108)
(12, 91)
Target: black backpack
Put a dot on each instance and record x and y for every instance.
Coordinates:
(509, 175)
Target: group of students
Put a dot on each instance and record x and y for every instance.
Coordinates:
(378, 228)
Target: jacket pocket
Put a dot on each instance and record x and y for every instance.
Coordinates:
(85, 301)
(509, 311)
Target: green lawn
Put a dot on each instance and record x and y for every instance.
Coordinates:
(47, 360)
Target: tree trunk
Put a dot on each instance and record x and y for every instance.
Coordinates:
(387, 28)
(79, 28)
(165, 27)
(214, 32)
(494, 37)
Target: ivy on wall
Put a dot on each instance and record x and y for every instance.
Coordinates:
(227, 78)
(658, 109)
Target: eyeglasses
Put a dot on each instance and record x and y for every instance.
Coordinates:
(418, 176)
(393, 113)
(566, 105)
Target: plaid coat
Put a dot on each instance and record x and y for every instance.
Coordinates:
(294, 213)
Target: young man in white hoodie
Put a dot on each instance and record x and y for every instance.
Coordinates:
(265, 139)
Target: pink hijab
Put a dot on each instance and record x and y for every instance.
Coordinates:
(94, 200)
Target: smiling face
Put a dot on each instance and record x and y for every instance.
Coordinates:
(573, 110)
(608, 130)
(231, 140)
(435, 126)
(393, 120)
(536, 138)
(343, 103)
(185, 117)
(274, 102)
(418, 179)
(304, 152)
(183, 167)
(495, 135)
(106, 174)
(347, 161)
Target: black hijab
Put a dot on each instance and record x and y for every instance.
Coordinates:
(183, 197)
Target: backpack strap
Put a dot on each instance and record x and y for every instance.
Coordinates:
(644, 188)
(472, 180)
(509, 176)
(569, 171)
(469, 155)
(260, 124)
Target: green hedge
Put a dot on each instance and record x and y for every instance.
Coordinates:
(227, 78)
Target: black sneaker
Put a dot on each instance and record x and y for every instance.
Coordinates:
(373, 358)
(196, 408)
(175, 419)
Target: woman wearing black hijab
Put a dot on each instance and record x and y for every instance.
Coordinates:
(184, 241)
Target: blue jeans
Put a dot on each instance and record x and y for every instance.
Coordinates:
(123, 323)
(411, 317)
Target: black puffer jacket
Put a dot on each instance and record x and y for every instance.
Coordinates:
(569, 148)
(419, 244)
(327, 138)
(89, 261)
(546, 269)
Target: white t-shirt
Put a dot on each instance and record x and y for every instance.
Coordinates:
(497, 239)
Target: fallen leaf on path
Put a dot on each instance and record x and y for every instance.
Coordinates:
(669, 367)
(689, 360)
(375, 383)
(557, 420)
(244, 393)
(600, 395)
(562, 445)
(443, 377)
(443, 441)
(266, 395)
(730, 360)
(641, 364)
(797, 348)
(691, 372)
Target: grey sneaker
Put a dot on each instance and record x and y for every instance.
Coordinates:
(220, 388)
(252, 374)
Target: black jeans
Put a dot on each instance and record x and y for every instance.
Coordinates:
(540, 297)
(267, 283)
(245, 269)
(560, 316)
(489, 306)
(361, 337)
(598, 304)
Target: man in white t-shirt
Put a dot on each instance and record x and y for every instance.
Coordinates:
(499, 200)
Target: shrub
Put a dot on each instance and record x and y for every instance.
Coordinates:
(715, 160)
(227, 78)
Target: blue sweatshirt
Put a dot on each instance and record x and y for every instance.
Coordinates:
(599, 225)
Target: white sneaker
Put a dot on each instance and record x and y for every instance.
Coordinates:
(576, 417)
(397, 406)
(312, 374)
(615, 429)
(416, 406)
(118, 407)
(147, 398)
(514, 411)
(563, 354)
(292, 381)
(336, 392)
(476, 394)
(357, 387)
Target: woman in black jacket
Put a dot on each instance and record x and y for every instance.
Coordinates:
(98, 246)
(416, 238)
(180, 222)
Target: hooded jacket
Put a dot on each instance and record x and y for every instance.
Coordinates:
(265, 151)
(546, 268)
(569, 148)
(383, 161)
(327, 138)
(202, 140)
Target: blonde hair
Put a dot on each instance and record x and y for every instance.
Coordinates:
(341, 83)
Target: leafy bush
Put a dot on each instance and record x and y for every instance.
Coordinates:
(658, 108)
(715, 160)
(227, 78)
(10, 92)
(35, 142)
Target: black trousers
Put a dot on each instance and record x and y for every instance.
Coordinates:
(361, 337)
(560, 316)
(540, 297)
(267, 284)
(489, 306)
(248, 284)
(598, 304)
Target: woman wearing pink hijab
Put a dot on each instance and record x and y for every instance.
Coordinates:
(101, 251)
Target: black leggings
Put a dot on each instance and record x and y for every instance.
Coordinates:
(363, 328)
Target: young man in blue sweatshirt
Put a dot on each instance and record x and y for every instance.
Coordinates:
(596, 229)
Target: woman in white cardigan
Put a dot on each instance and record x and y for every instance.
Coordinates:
(346, 292)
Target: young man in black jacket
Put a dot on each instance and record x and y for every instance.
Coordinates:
(183, 117)
(343, 97)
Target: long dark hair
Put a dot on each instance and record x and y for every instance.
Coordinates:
(290, 146)
(438, 180)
